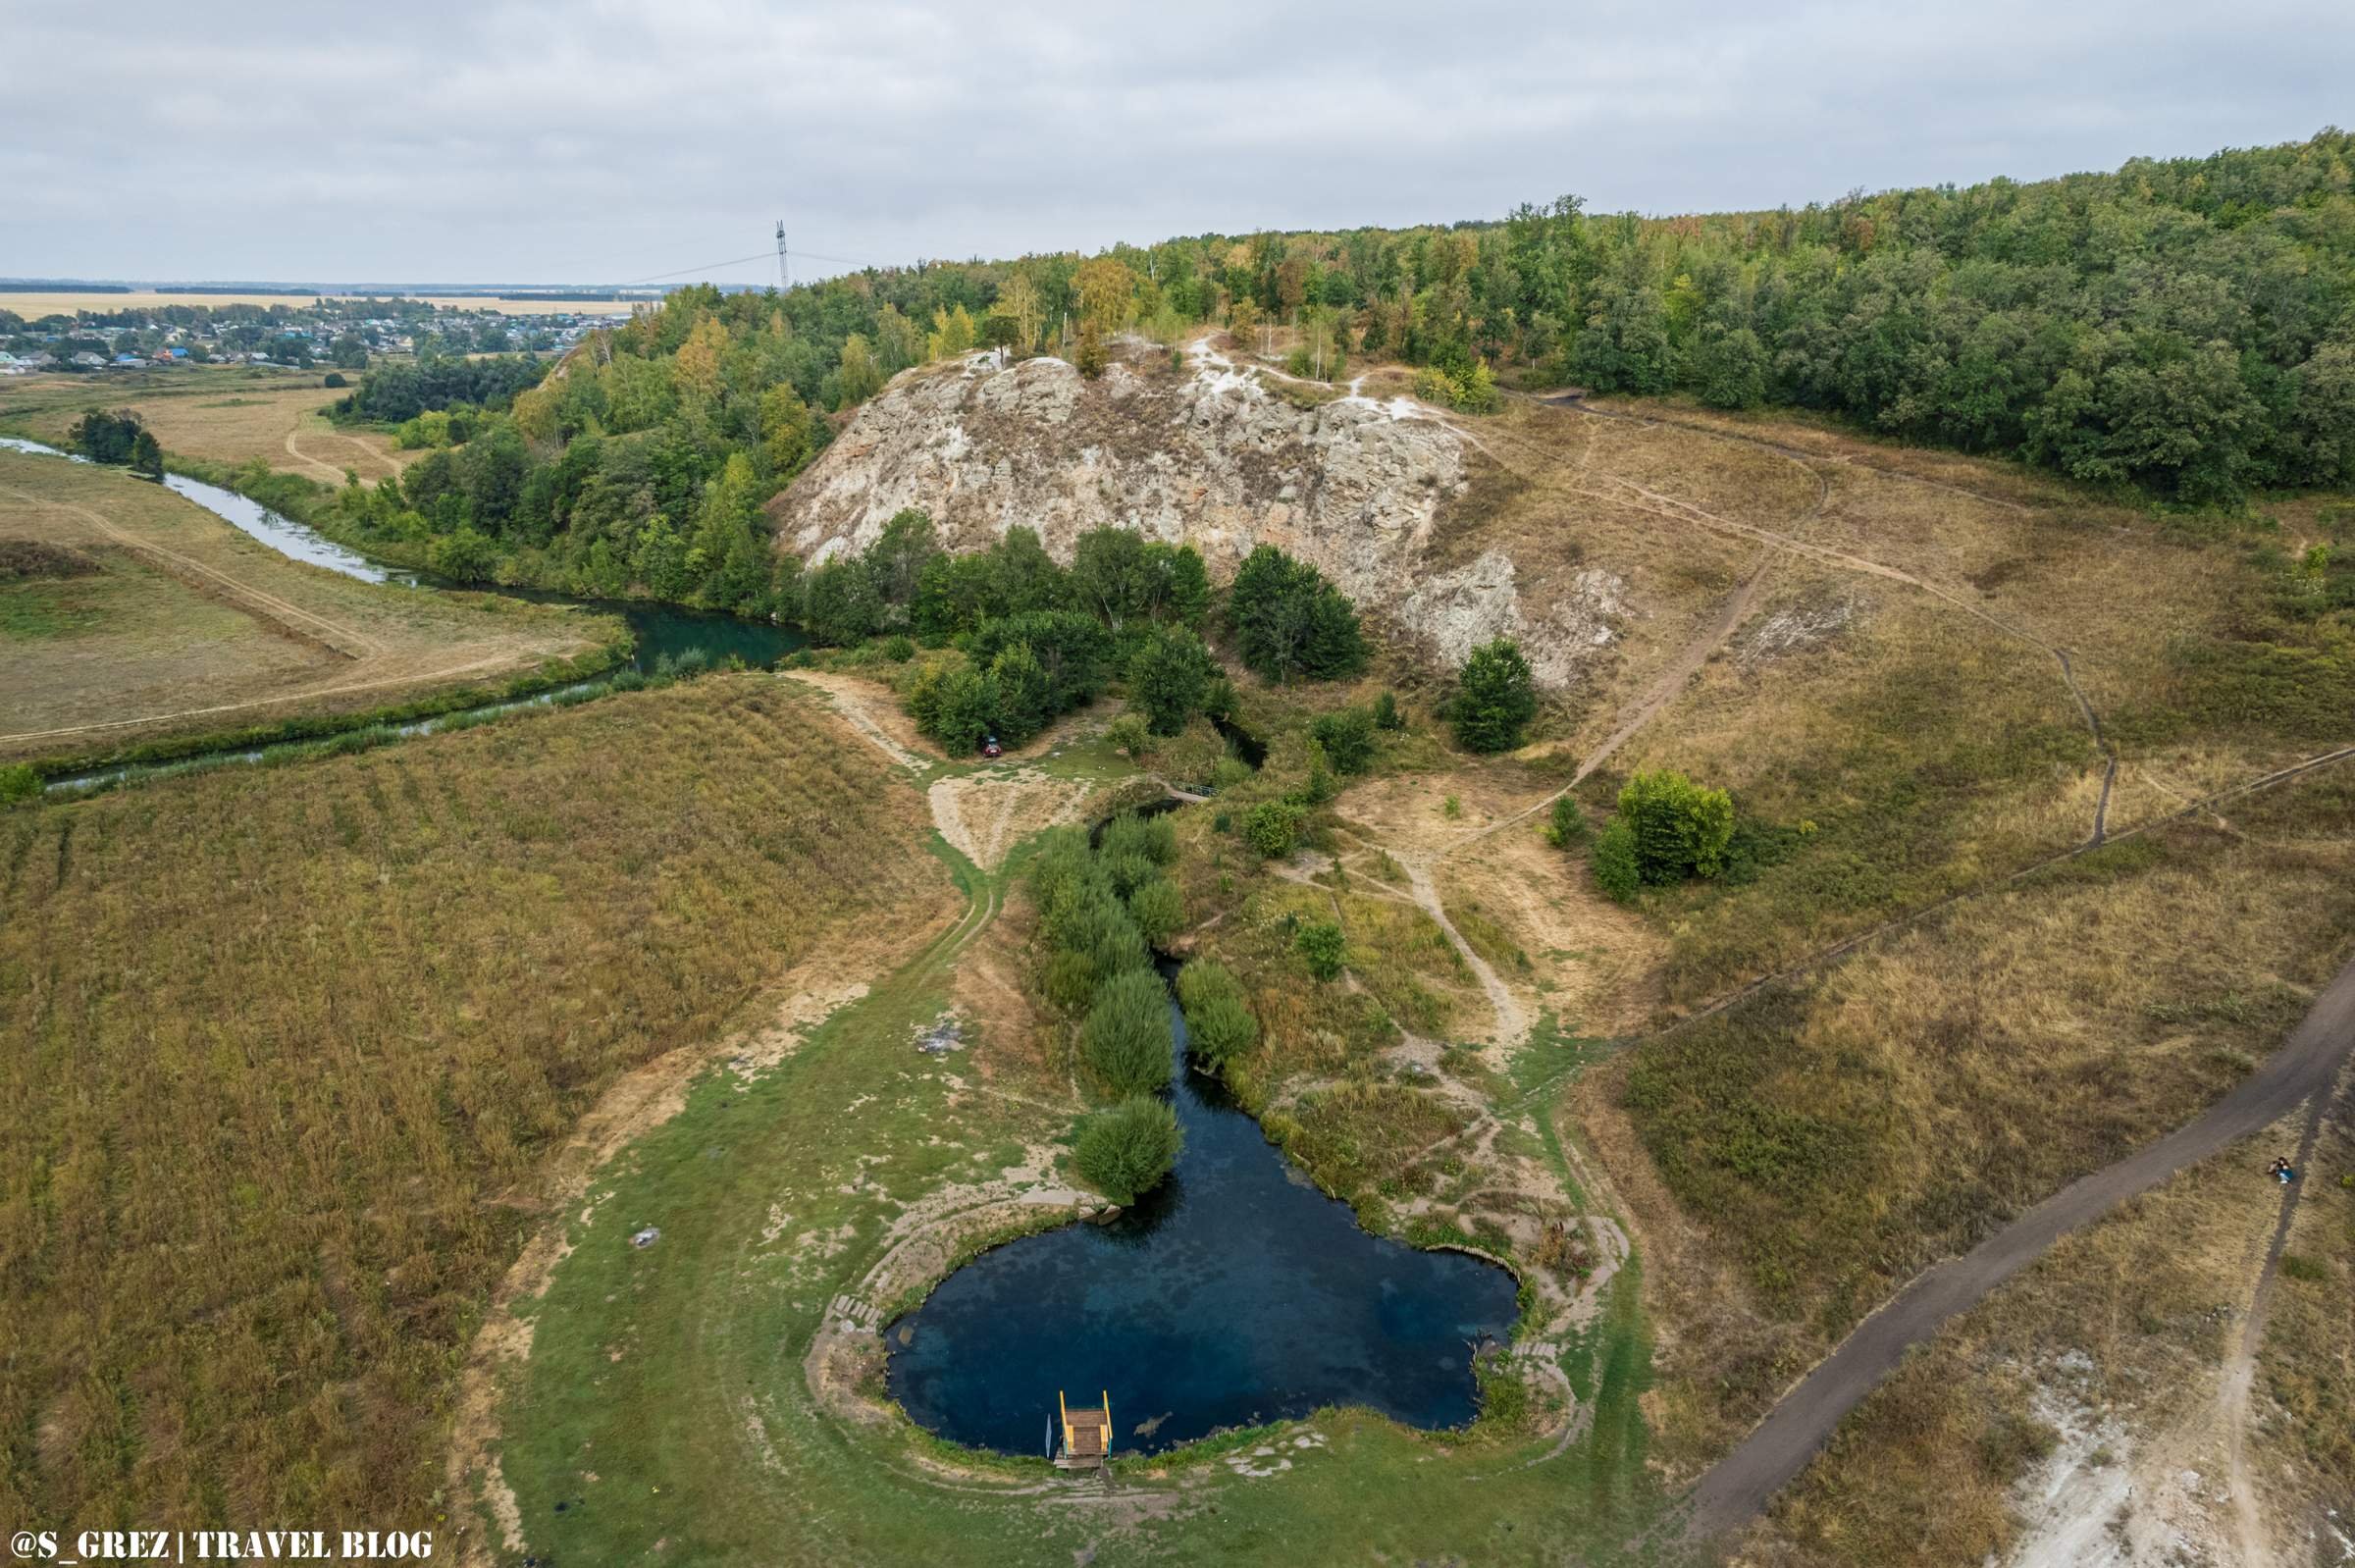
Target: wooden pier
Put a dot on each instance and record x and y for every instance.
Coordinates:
(1086, 1434)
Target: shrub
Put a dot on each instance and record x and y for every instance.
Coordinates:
(1129, 735)
(1218, 1022)
(1158, 909)
(1125, 1038)
(1565, 825)
(1272, 828)
(333, 378)
(19, 782)
(466, 555)
(1126, 870)
(1318, 943)
(1614, 861)
(899, 649)
(1155, 838)
(1169, 676)
(1387, 715)
(1126, 1151)
(1496, 698)
(1227, 772)
(1347, 738)
(1680, 828)
(1318, 787)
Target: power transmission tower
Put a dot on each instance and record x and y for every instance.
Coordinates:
(784, 269)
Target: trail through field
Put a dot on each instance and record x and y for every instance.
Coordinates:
(331, 476)
(1618, 492)
(2240, 1371)
(1736, 1487)
(346, 642)
(414, 677)
(848, 698)
(367, 461)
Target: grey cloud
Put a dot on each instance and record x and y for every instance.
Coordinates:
(505, 140)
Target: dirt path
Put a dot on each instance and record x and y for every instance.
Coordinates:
(2240, 1371)
(1736, 1487)
(413, 678)
(332, 476)
(844, 696)
(346, 642)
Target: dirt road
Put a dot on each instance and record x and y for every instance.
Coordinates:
(1781, 1445)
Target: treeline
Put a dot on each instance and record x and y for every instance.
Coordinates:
(1022, 640)
(403, 389)
(2182, 326)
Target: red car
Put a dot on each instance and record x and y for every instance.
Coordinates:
(990, 747)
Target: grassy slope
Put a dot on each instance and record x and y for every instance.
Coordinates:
(281, 1038)
(190, 626)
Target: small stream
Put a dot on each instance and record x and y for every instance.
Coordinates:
(1233, 1294)
(661, 631)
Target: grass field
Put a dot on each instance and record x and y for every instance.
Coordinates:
(1830, 1137)
(228, 414)
(161, 619)
(290, 1050)
(33, 306)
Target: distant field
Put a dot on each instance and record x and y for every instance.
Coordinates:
(129, 613)
(34, 306)
(226, 414)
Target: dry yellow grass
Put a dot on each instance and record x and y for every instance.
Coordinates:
(229, 415)
(282, 1043)
(1829, 1139)
(2151, 1300)
(191, 626)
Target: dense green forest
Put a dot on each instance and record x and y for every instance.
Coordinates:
(2183, 326)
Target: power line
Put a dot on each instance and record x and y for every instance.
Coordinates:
(708, 266)
(780, 253)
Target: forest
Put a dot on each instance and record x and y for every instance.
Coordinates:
(2179, 328)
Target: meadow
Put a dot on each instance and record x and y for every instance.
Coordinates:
(287, 1050)
(145, 616)
(221, 414)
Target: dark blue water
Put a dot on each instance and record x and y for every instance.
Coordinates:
(1235, 1293)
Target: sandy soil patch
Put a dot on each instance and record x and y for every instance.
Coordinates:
(1594, 961)
(985, 814)
(874, 712)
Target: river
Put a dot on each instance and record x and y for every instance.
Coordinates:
(661, 631)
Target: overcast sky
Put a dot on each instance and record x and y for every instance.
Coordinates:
(490, 141)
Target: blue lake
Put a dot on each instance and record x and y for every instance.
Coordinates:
(1235, 1293)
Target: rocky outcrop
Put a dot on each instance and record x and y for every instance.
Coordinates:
(1206, 452)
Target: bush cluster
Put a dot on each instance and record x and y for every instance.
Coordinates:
(1126, 1151)
(1667, 828)
(1219, 1022)
(1290, 623)
(1100, 911)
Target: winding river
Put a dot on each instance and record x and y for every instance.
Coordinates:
(661, 631)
